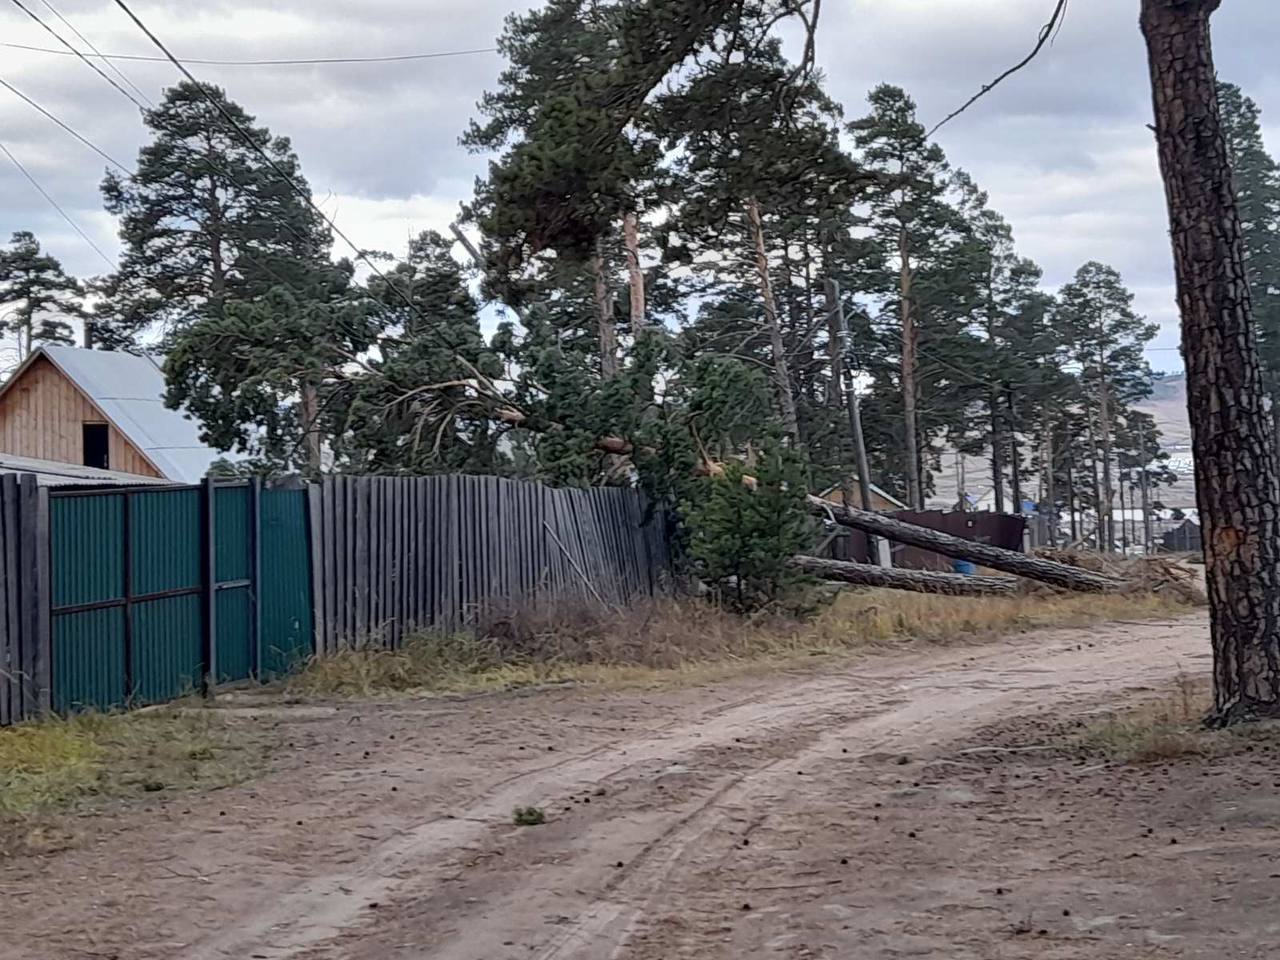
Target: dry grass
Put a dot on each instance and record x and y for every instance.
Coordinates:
(684, 639)
(54, 764)
(1161, 729)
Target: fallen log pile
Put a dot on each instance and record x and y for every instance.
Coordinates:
(996, 558)
(922, 581)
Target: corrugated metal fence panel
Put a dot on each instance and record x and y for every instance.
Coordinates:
(285, 592)
(166, 640)
(167, 540)
(87, 549)
(233, 519)
(232, 621)
(88, 561)
(231, 516)
(89, 659)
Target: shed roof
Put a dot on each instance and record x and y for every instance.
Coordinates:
(890, 498)
(52, 473)
(129, 390)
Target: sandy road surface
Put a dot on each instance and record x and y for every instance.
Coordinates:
(811, 814)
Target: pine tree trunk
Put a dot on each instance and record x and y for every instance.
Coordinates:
(997, 450)
(310, 411)
(835, 348)
(1124, 515)
(1071, 497)
(910, 339)
(1104, 429)
(606, 329)
(631, 238)
(1275, 422)
(26, 336)
(1015, 457)
(1099, 532)
(997, 558)
(1237, 485)
(920, 581)
(1050, 503)
(217, 268)
(778, 347)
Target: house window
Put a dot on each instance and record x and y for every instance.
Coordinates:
(96, 446)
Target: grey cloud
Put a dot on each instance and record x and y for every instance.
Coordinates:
(1062, 147)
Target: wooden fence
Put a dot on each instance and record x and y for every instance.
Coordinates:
(119, 596)
(25, 650)
(392, 555)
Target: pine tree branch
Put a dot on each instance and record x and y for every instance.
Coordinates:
(1047, 32)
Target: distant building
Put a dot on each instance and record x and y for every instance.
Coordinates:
(881, 502)
(99, 409)
(1184, 538)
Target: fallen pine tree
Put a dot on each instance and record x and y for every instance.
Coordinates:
(921, 581)
(996, 558)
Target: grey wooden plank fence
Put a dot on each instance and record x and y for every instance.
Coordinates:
(25, 650)
(391, 555)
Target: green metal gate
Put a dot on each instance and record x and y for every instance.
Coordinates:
(155, 591)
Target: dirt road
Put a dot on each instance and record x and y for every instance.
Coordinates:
(857, 811)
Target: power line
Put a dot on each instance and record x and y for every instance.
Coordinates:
(96, 69)
(89, 43)
(54, 203)
(65, 126)
(300, 61)
(132, 176)
(302, 193)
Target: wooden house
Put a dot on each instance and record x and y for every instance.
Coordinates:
(881, 502)
(99, 409)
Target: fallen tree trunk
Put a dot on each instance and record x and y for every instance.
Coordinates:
(997, 558)
(921, 581)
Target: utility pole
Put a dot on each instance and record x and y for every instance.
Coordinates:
(1146, 495)
(854, 408)
(476, 259)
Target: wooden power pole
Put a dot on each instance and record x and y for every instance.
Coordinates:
(853, 407)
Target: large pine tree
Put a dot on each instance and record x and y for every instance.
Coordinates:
(1105, 340)
(917, 215)
(413, 407)
(205, 220)
(38, 299)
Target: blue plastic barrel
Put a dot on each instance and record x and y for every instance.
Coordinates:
(964, 567)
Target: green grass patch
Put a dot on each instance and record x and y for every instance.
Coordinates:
(1160, 729)
(59, 763)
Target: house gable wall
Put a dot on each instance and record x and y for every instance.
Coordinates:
(41, 416)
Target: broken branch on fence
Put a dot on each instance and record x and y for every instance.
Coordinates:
(576, 569)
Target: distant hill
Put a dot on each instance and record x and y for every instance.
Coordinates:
(1168, 404)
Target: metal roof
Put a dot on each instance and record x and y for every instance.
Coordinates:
(51, 473)
(129, 390)
(874, 489)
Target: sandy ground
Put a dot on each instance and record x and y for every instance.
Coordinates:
(900, 805)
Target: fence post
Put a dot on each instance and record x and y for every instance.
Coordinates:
(315, 551)
(44, 633)
(255, 575)
(33, 646)
(209, 639)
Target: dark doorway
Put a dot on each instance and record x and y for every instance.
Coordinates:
(96, 446)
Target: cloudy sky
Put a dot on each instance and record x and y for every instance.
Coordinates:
(1062, 148)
